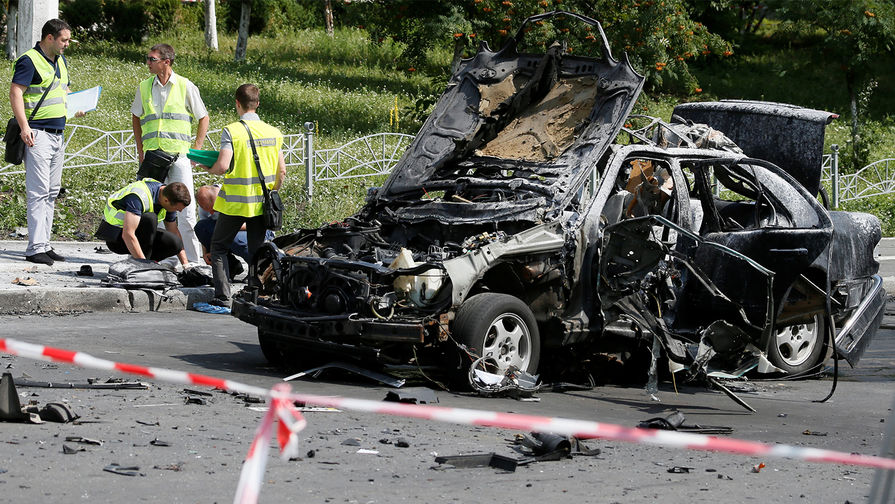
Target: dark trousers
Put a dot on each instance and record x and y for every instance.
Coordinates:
(224, 232)
(157, 244)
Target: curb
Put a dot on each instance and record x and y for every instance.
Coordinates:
(99, 299)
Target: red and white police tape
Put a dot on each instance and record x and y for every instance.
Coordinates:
(291, 421)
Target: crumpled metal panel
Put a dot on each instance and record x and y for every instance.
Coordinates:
(458, 127)
(854, 238)
(789, 136)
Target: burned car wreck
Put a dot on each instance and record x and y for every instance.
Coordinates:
(519, 231)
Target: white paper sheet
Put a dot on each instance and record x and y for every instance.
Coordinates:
(83, 101)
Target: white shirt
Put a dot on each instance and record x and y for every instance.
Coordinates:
(194, 103)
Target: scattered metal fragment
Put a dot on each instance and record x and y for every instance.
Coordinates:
(111, 384)
(679, 470)
(479, 460)
(197, 392)
(68, 450)
(809, 432)
(123, 470)
(402, 443)
(513, 382)
(391, 381)
(83, 440)
(154, 424)
(351, 442)
(412, 395)
(675, 422)
(159, 442)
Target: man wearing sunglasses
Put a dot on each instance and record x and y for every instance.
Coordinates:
(163, 110)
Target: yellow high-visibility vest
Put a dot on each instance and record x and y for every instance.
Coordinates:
(170, 129)
(54, 105)
(241, 192)
(115, 216)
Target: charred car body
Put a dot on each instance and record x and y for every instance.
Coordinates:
(515, 225)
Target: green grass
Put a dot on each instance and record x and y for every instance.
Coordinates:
(347, 86)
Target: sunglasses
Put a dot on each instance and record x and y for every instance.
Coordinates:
(152, 59)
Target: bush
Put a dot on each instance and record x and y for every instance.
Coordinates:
(128, 20)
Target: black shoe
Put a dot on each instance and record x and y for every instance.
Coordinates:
(234, 266)
(220, 302)
(54, 256)
(40, 258)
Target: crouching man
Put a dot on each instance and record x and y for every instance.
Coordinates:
(130, 220)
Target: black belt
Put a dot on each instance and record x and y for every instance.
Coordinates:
(51, 130)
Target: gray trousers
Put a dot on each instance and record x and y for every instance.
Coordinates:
(43, 179)
(182, 171)
(224, 232)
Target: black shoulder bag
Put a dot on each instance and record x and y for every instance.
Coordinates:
(15, 146)
(273, 205)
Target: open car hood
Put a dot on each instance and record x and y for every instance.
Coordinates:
(533, 124)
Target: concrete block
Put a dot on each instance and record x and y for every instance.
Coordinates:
(63, 300)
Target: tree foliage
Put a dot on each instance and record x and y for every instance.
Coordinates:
(856, 34)
(660, 36)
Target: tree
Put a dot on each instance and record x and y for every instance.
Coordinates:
(242, 39)
(328, 17)
(660, 36)
(211, 26)
(857, 34)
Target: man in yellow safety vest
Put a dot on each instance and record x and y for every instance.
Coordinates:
(131, 217)
(240, 198)
(42, 73)
(163, 110)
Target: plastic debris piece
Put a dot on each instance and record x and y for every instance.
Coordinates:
(123, 470)
(57, 412)
(85, 270)
(679, 470)
(758, 467)
(402, 443)
(367, 452)
(809, 432)
(479, 460)
(159, 442)
(412, 395)
(83, 440)
(351, 442)
(208, 308)
(68, 450)
(10, 407)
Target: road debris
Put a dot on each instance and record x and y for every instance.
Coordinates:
(675, 422)
(123, 470)
(26, 281)
(412, 395)
(479, 460)
(83, 440)
(758, 467)
(383, 378)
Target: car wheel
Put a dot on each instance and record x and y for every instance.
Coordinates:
(798, 347)
(499, 327)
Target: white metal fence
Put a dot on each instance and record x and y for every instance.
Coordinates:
(376, 155)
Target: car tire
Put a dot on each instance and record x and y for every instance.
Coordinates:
(502, 327)
(798, 347)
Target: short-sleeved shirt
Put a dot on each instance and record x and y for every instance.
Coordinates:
(26, 75)
(132, 203)
(194, 103)
(227, 140)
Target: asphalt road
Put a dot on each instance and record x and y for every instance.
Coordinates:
(207, 442)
